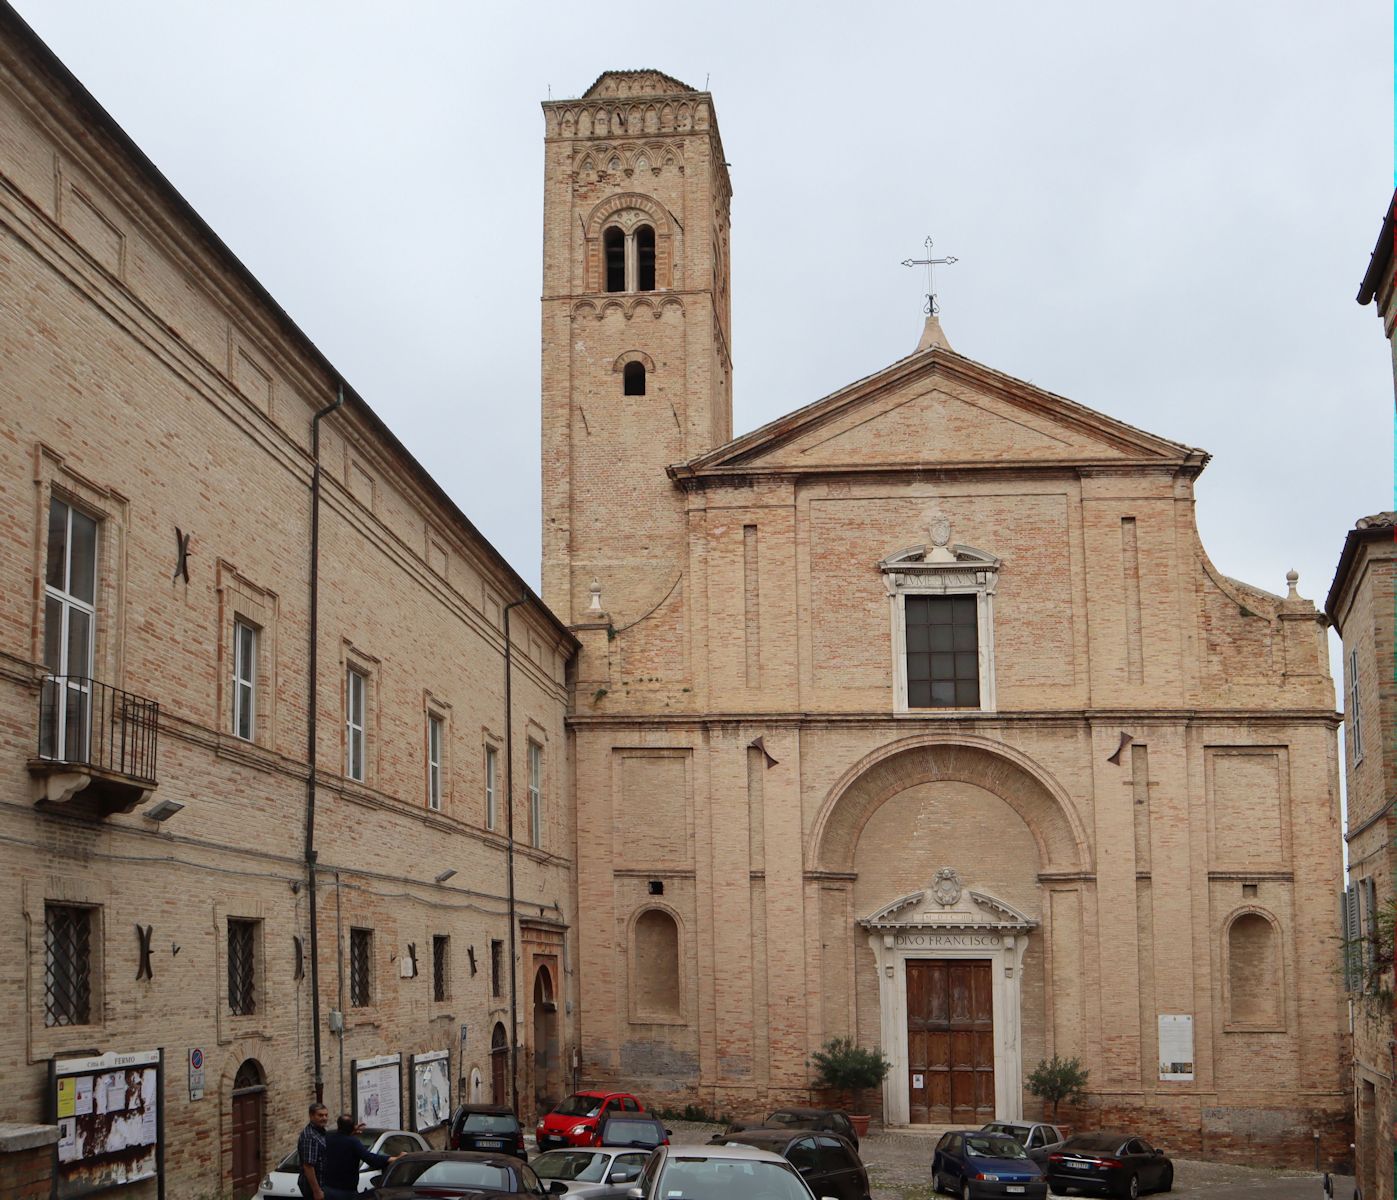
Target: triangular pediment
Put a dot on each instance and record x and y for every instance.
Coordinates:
(644, 82)
(948, 904)
(937, 408)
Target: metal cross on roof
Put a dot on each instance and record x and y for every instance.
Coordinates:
(930, 264)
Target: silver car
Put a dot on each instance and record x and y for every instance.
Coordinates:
(718, 1173)
(1037, 1139)
(594, 1173)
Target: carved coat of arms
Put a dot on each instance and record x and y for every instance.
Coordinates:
(946, 886)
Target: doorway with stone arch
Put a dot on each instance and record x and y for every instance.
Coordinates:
(499, 1065)
(547, 1065)
(248, 1126)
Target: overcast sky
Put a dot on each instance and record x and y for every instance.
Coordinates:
(1161, 211)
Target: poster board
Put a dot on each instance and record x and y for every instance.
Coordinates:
(429, 1077)
(377, 1091)
(108, 1111)
(1176, 1047)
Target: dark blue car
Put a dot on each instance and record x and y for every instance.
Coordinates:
(970, 1163)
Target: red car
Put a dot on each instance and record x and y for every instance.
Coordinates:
(575, 1122)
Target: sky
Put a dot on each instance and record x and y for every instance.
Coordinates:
(1160, 211)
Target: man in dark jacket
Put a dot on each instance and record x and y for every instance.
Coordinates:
(343, 1154)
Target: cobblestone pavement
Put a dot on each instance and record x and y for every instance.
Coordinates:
(899, 1168)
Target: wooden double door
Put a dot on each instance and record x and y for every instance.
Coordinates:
(950, 1041)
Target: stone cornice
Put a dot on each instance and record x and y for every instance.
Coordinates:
(1070, 717)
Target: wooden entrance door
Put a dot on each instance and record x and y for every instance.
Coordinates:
(950, 1041)
(249, 1094)
(499, 1065)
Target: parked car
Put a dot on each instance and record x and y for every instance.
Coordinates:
(719, 1173)
(574, 1122)
(821, 1120)
(1038, 1139)
(632, 1129)
(602, 1173)
(486, 1127)
(280, 1182)
(829, 1165)
(970, 1163)
(443, 1174)
(1116, 1164)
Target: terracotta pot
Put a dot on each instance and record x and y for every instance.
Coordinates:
(860, 1124)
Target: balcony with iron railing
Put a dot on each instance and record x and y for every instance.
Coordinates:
(97, 746)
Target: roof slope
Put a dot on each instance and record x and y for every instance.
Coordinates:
(642, 82)
(937, 408)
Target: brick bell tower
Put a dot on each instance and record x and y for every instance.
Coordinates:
(637, 372)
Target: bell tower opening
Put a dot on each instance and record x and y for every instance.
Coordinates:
(635, 262)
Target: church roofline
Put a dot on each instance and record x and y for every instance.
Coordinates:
(631, 72)
(733, 456)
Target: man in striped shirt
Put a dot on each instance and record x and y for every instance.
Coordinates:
(310, 1147)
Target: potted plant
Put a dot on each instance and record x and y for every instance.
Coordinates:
(1058, 1079)
(844, 1067)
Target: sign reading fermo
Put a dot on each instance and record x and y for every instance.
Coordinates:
(948, 941)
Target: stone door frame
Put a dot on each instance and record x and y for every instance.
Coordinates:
(974, 925)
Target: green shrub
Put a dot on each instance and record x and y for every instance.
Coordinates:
(1058, 1079)
(844, 1067)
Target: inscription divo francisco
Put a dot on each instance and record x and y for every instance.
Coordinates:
(950, 941)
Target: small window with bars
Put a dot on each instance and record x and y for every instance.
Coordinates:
(496, 968)
(68, 930)
(943, 658)
(361, 959)
(441, 967)
(242, 967)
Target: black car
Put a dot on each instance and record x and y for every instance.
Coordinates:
(441, 1174)
(487, 1128)
(639, 1130)
(829, 1165)
(1112, 1164)
(820, 1120)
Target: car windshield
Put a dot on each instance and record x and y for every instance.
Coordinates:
(993, 1145)
(585, 1166)
(1018, 1133)
(489, 1123)
(632, 1133)
(729, 1179)
(784, 1119)
(579, 1106)
(1095, 1143)
(453, 1172)
(292, 1162)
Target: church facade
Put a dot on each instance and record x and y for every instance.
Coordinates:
(918, 716)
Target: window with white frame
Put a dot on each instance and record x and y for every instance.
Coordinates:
(535, 794)
(492, 767)
(70, 620)
(355, 692)
(435, 736)
(942, 607)
(244, 680)
(1356, 721)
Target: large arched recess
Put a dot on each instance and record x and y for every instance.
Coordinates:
(1046, 808)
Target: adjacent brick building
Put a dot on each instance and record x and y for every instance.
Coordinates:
(1362, 605)
(919, 715)
(157, 467)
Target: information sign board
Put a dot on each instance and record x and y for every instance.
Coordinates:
(378, 1091)
(431, 1089)
(107, 1109)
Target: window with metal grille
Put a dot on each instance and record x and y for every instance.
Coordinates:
(361, 959)
(496, 968)
(242, 968)
(492, 763)
(943, 660)
(535, 794)
(67, 964)
(435, 740)
(441, 966)
(244, 679)
(355, 688)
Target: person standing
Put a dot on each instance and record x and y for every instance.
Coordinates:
(310, 1148)
(343, 1154)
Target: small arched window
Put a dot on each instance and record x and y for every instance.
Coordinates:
(1253, 972)
(633, 376)
(645, 259)
(656, 964)
(614, 250)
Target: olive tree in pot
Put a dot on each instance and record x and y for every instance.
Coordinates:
(1058, 1079)
(851, 1070)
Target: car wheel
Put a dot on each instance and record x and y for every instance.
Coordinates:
(965, 1191)
(1168, 1184)
(1056, 1188)
(1132, 1188)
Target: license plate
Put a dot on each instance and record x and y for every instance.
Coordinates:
(1076, 1164)
(1015, 1189)
(490, 1145)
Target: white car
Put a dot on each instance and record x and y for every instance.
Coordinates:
(281, 1181)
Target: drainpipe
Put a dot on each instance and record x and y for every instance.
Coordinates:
(509, 835)
(312, 707)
